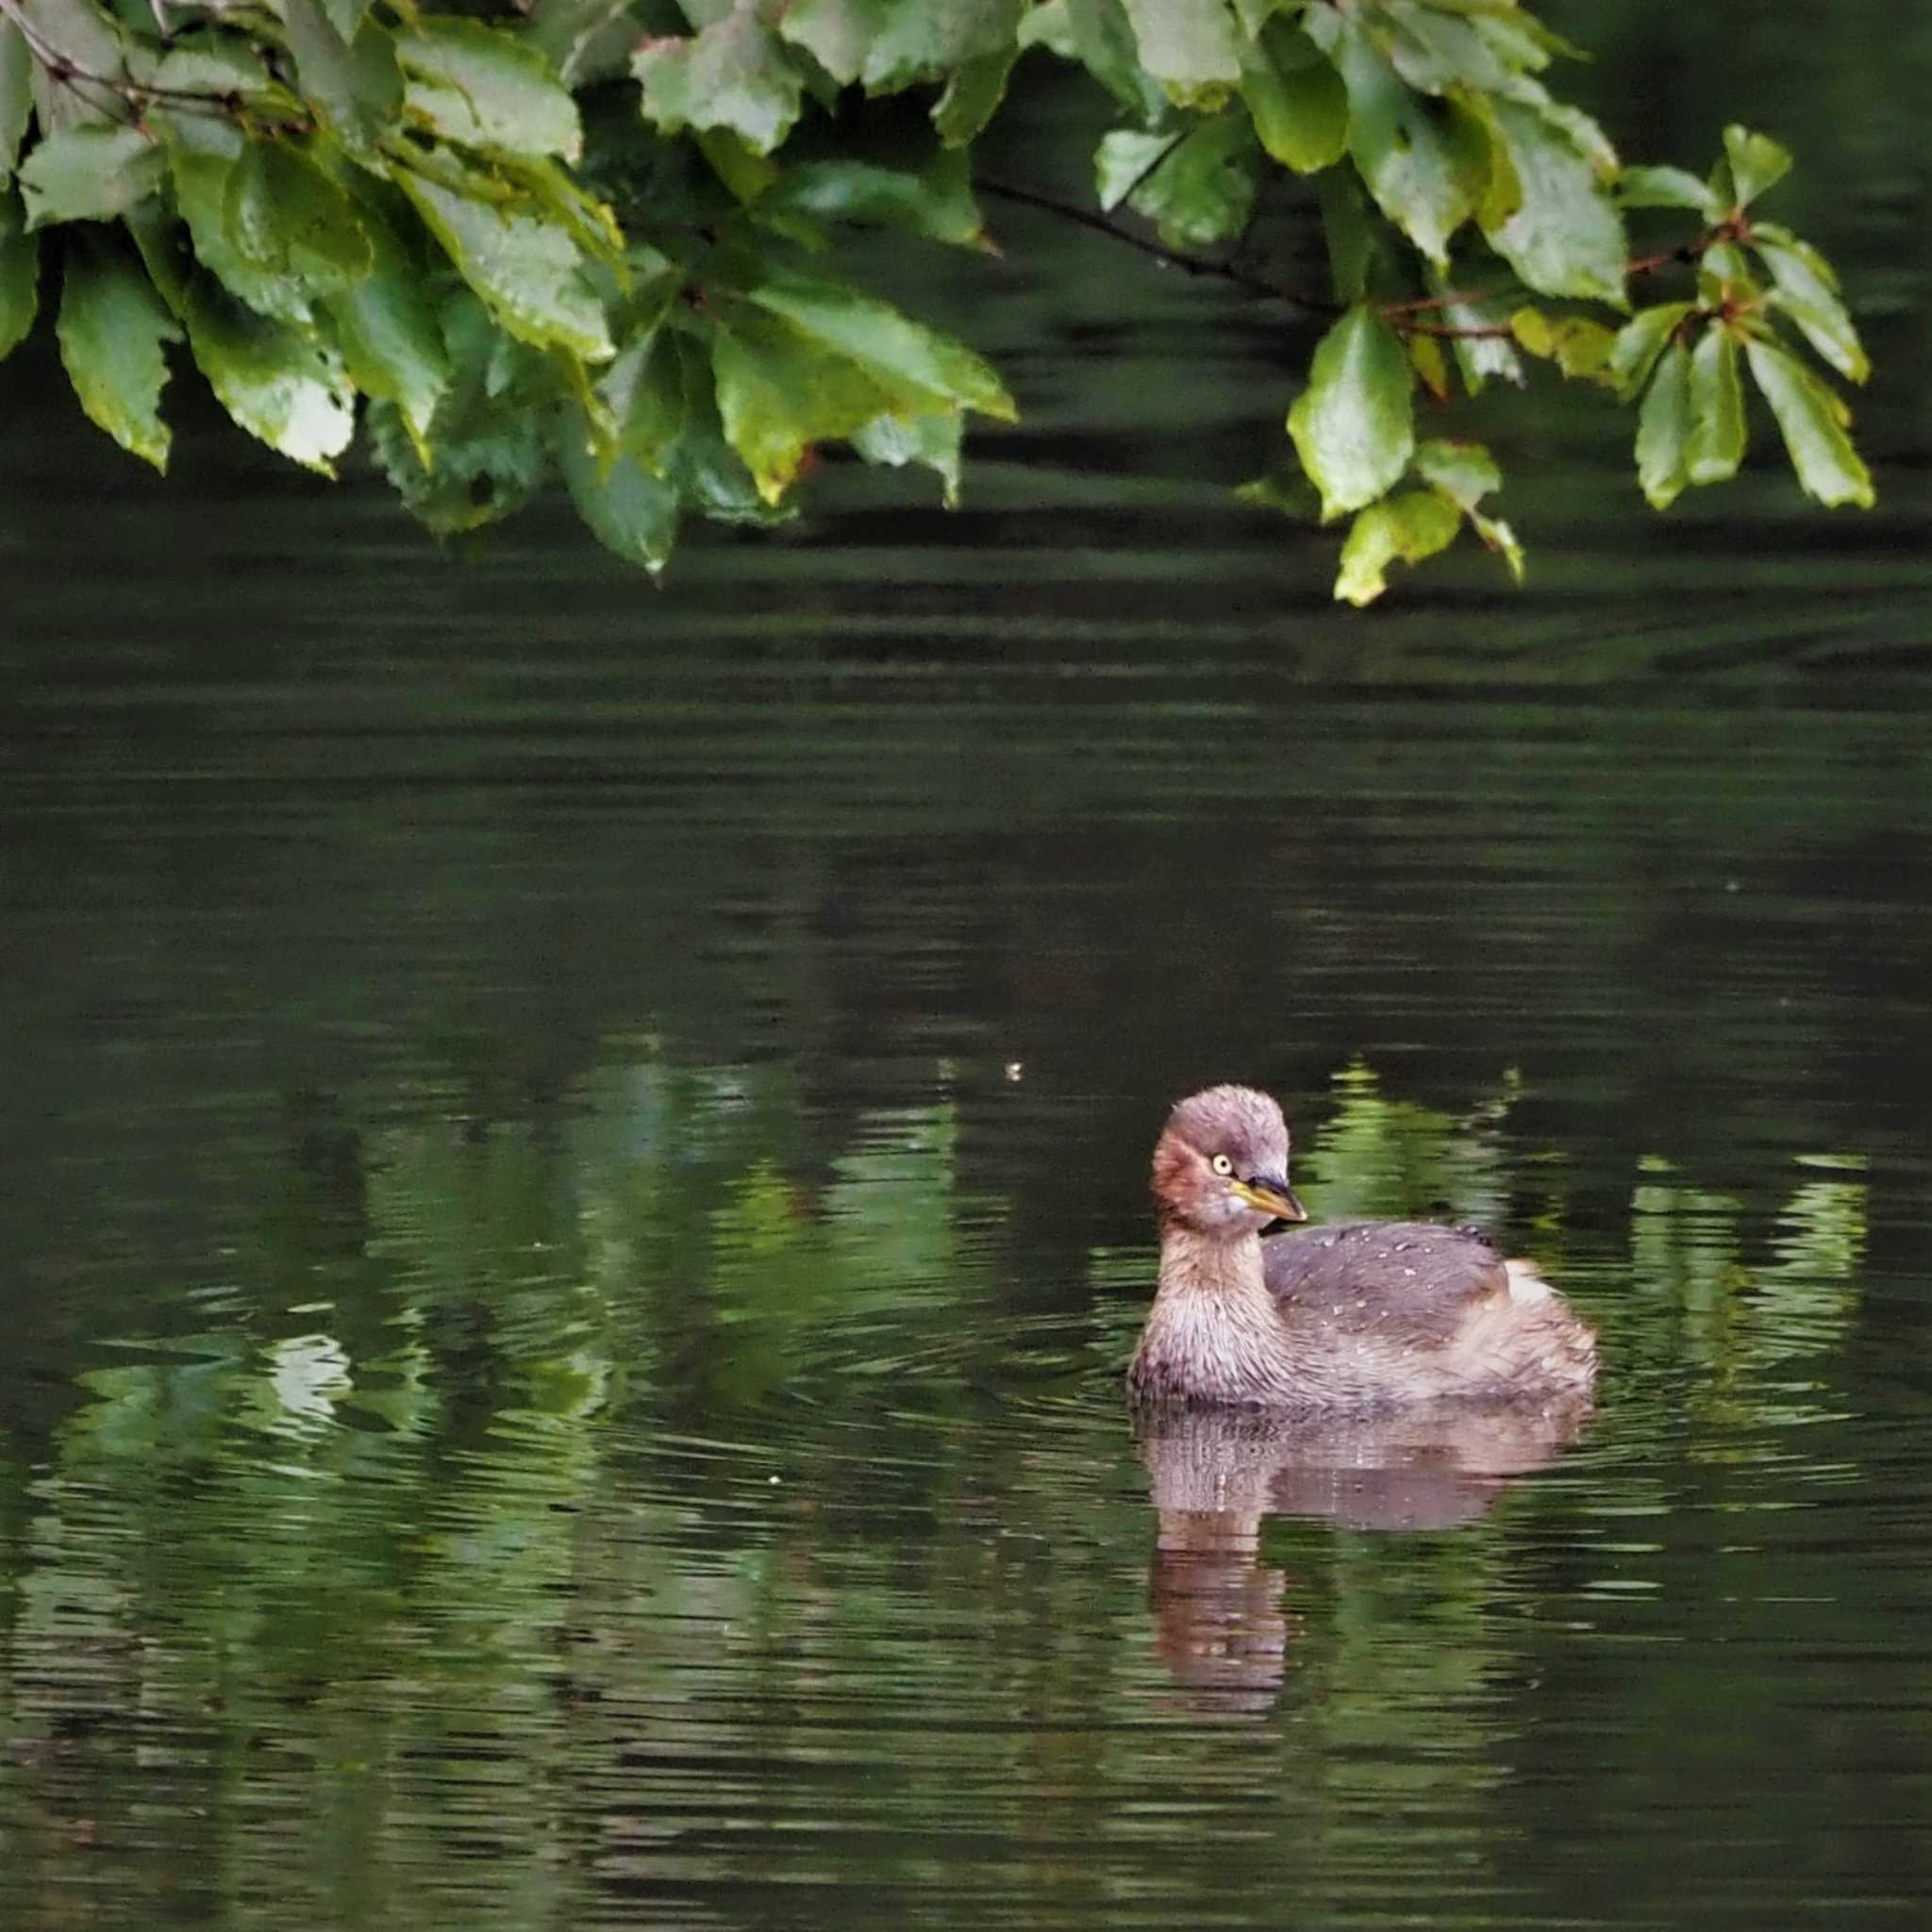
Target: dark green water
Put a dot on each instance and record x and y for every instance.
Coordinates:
(574, 1169)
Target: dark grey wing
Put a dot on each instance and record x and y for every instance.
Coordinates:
(1408, 1281)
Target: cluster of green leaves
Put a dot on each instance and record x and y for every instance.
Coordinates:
(596, 239)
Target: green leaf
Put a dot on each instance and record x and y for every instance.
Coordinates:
(1347, 231)
(286, 217)
(1757, 162)
(111, 329)
(1096, 33)
(16, 95)
(275, 382)
(643, 387)
(780, 391)
(1566, 237)
(78, 29)
(880, 339)
(1409, 527)
(1296, 99)
(1189, 46)
(1716, 443)
(734, 73)
(20, 274)
(1202, 192)
(584, 40)
(202, 176)
(1354, 425)
(937, 202)
(1124, 159)
(1435, 52)
(1811, 420)
(388, 331)
(528, 271)
(355, 86)
(487, 90)
(1640, 342)
(1664, 429)
(933, 439)
(628, 510)
(972, 92)
(892, 44)
(1465, 473)
(1478, 356)
(1667, 188)
(1419, 175)
(89, 173)
(1499, 537)
(705, 468)
(1811, 301)
(1579, 345)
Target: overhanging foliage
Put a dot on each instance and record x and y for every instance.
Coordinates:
(600, 241)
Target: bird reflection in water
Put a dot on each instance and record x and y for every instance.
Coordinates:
(1221, 1622)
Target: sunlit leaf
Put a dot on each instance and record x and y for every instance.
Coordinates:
(1464, 471)
(1408, 528)
(1811, 420)
(528, 271)
(1757, 162)
(1201, 191)
(1189, 46)
(1716, 443)
(89, 173)
(735, 73)
(488, 89)
(20, 274)
(1354, 425)
(1664, 429)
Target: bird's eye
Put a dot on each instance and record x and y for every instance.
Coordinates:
(1222, 1164)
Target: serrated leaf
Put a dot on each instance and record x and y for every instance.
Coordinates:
(1812, 303)
(272, 379)
(1463, 472)
(1189, 46)
(1666, 188)
(1757, 162)
(1408, 527)
(1640, 342)
(111, 329)
(1809, 418)
(734, 73)
(1566, 237)
(16, 95)
(881, 338)
(1716, 444)
(388, 331)
(706, 471)
(20, 274)
(487, 90)
(1354, 425)
(355, 86)
(201, 172)
(933, 439)
(1664, 429)
(78, 30)
(528, 271)
(286, 217)
(89, 173)
(1296, 99)
(632, 513)
(1421, 177)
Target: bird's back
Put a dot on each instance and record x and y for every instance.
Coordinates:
(1405, 1281)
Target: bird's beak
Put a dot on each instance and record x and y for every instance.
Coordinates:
(1266, 1195)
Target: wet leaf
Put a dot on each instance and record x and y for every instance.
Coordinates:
(1189, 46)
(1203, 189)
(933, 439)
(734, 73)
(356, 86)
(89, 173)
(1354, 425)
(891, 44)
(1811, 420)
(1296, 99)
(1404, 528)
(1667, 188)
(288, 218)
(631, 512)
(1664, 429)
(1463, 472)
(936, 202)
(111, 331)
(1640, 342)
(584, 40)
(528, 271)
(1566, 237)
(487, 90)
(1716, 443)
(1812, 300)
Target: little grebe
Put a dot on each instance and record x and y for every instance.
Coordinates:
(1351, 1318)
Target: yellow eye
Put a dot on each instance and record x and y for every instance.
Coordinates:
(1222, 1164)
